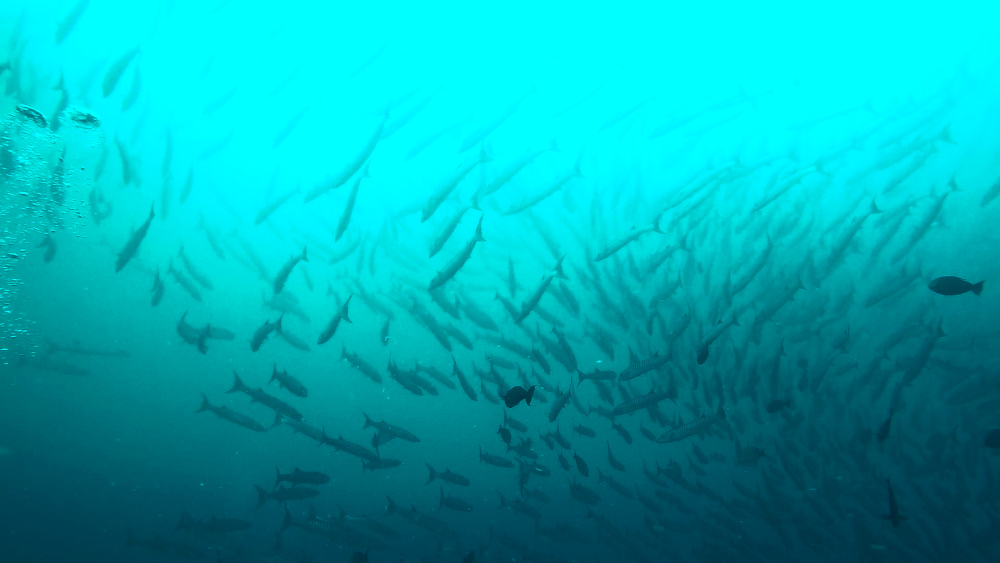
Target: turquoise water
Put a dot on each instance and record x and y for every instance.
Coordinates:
(755, 199)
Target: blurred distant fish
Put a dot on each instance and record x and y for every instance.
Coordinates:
(694, 427)
(284, 494)
(894, 516)
(134, 240)
(331, 327)
(460, 259)
(950, 285)
(115, 71)
(517, 394)
(286, 270)
(157, 289)
(446, 475)
(272, 206)
(230, 415)
(67, 24)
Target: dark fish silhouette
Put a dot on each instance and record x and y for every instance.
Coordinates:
(517, 394)
(950, 285)
(504, 433)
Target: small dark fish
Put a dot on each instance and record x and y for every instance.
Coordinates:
(584, 431)
(883, 430)
(894, 515)
(992, 439)
(581, 465)
(950, 285)
(504, 433)
(517, 394)
(778, 404)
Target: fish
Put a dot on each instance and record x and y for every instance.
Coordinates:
(514, 423)
(992, 439)
(517, 394)
(115, 71)
(504, 433)
(331, 327)
(640, 402)
(380, 463)
(230, 415)
(447, 476)
(265, 330)
(67, 23)
(286, 381)
(352, 166)
(132, 245)
(286, 270)
(559, 403)
(528, 305)
(777, 405)
(269, 208)
(581, 465)
(694, 427)
(463, 381)
(950, 285)
(883, 430)
(299, 477)
(364, 367)
(627, 238)
(615, 464)
(460, 259)
(494, 460)
(449, 184)
(258, 395)
(157, 289)
(453, 503)
(390, 429)
(584, 431)
(212, 526)
(637, 367)
(284, 494)
(348, 447)
(708, 339)
(345, 217)
(184, 282)
(894, 516)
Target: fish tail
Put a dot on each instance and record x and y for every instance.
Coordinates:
(433, 474)
(262, 495)
(977, 288)
(503, 501)
(721, 411)
(368, 421)
(304, 257)
(277, 479)
(205, 405)
(274, 373)
(391, 506)
(531, 393)
(237, 384)
(278, 419)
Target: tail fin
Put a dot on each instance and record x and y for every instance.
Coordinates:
(391, 506)
(304, 257)
(531, 393)
(977, 288)
(343, 309)
(433, 474)
(277, 479)
(274, 372)
(205, 405)
(238, 385)
(368, 421)
(278, 419)
(721, 411)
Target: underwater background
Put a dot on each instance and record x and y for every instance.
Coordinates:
(722, 263)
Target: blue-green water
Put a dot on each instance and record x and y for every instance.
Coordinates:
(804, 174)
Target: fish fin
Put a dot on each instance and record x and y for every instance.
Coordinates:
(262, 496)
(205, 405)
(977, 288)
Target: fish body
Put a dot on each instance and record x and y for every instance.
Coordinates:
(391, 429)
(260, 396)
(638, 367)
(517, 394)
(230, 415)
(265, 330)
(447, 476)
(299, 477)
(331, 327)
(950, 285)
(132, 245)
(286, 381)
(286, 270)
(460, 259)
(694, 427)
